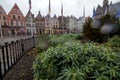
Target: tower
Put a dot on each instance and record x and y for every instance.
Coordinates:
(94, 12)
(105, 2)
(62, 16)
(84, 11)
(105, 6)
(84, 14)
(49, 11)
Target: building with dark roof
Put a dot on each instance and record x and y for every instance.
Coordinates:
(3, 16)
(106, 8)
(40, 24)
(30, 23)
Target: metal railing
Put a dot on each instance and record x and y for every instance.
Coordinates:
(10, 53)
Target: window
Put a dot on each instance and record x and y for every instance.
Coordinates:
(11, 23)
(14, 17)
(4, 23)
(19, 18)
(4, 17)
(0, 12)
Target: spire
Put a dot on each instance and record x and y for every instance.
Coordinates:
(39, 12)
(84, 11)
(30, 4)
(62, 7)
(105, 2)
(111, 3)
(106, 10)
(94, 12)
(49, 8)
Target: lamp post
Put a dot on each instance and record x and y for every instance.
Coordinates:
(31, 24)
(1, 31)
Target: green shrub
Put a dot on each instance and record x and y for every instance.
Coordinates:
(114, 43)
(91, 33)
(94, 34)
(54, 40)
(43, 43)
(76, 61)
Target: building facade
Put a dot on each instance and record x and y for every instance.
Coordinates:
(48, 24)
(72, 24)
(16, 21)
(106, 8)
(30, 23)
(80, 24)
(63, 24)
(55, 24)
(3, 22)
(3, 17)
(40, 24)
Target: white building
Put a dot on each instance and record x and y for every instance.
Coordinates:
(80, 24)
(30, 23)
(55, 24)
(75, 25)
(72, 24)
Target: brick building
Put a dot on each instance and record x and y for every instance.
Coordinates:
(16, 21)
(40, 24)
(55, 24)
(3, 22)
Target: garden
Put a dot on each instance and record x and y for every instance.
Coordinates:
(66, 57)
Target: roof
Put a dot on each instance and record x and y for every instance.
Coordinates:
(39, 16)
(113, 9)
(2, 10)
(15, 7)
(29, 14)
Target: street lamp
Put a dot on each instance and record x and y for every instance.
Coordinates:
(31, 24)
(1, 31)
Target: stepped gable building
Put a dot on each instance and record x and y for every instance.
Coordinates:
(3, 16)
(48, 24)
(107, 9)
(72, 24)
(63, 24)
(30, 22)
(55, 24)
(40, 24)
(3, 21)
(16, 21)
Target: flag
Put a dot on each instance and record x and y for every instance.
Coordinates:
(30, 4)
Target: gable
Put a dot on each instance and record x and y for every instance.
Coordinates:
(16, 10)
(2, 11)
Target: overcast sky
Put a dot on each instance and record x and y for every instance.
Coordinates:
(71, 7)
